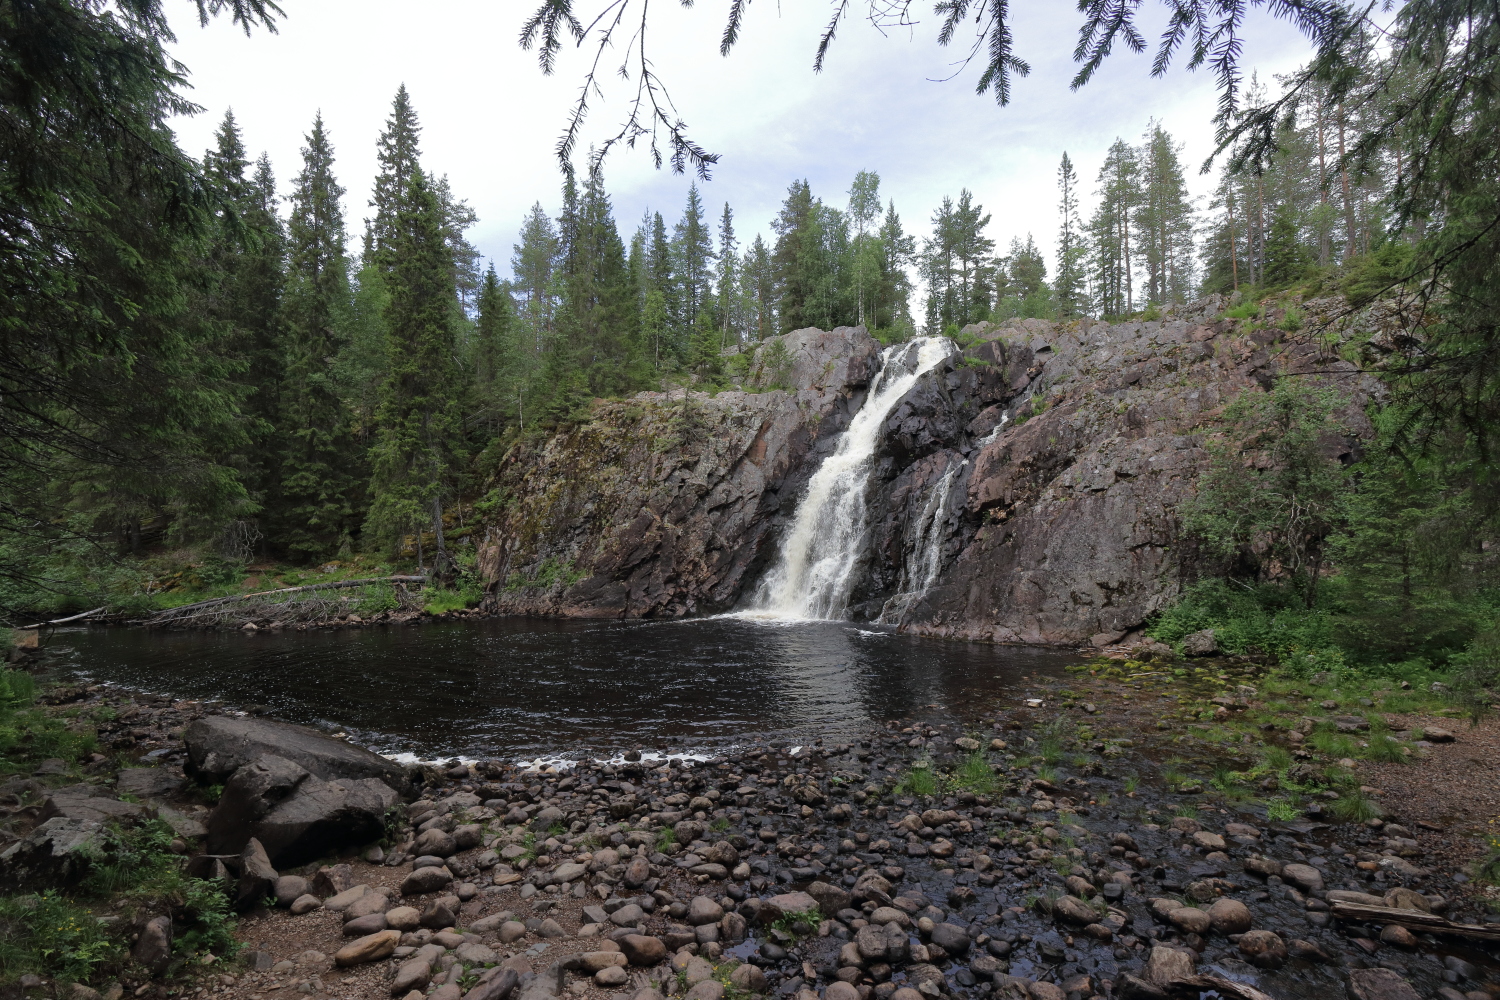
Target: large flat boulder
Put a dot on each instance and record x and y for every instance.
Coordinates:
(92, 803)
(219, 745)
(297, 816)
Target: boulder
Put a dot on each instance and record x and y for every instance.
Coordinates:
(257, 881)
(413, 974)
(951, 938)
(1200, 643)
(219, 745)
(498, 984)
(289, 888)
(703, 910)
(148, 782)
(153, 950)
(59, 852)
(437, 842)
(1073, 910)
(370, 948)
(642, 949)
(1305, 877)
(1379, 984)
(1190, 919)
(91, 803)
(1229, 916)
(1167, 964)
(787, 903)
(1263, 948)
(831, 899)
(296, 815)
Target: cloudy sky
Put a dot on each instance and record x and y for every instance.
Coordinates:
(490, 119)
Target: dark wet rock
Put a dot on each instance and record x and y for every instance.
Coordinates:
(1229, 916)
(258, 878)
(219, 745)
(296, 815)
(1304, 877)
(59, 852)
(951, 938)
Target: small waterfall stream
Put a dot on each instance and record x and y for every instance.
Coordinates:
(815, 573)
(920, 571)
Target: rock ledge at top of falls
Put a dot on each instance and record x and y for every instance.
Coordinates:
(1058, 525)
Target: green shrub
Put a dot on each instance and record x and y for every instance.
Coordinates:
(920, 781)
(1248, 617)
(51, 935)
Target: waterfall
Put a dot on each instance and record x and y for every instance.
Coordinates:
(920, 571)
(815, 573)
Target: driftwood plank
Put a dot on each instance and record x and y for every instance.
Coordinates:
(1413, 918)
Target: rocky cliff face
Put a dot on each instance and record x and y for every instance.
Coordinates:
(667, 503)
(1025, 490)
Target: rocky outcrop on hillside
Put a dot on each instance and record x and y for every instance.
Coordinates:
(1025, 490)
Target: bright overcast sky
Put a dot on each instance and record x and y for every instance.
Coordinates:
(490, 119)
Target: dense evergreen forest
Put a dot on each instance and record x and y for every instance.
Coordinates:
(199, 356)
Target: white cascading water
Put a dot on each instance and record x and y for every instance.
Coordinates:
(920, 571)
(815, 573)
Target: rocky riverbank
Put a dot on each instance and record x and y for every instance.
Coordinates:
(1148, 827)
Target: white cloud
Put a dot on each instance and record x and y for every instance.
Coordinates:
(490, 119)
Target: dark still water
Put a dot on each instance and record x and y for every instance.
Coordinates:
(523, 687)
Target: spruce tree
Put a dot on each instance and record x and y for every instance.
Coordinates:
(898, 251)
(663, 280)
(758, 288)
(399, 157)
(1070, 285)
(600, 322)
(321, 471)
(419, 446)
(793, 287)
(533, 263)
(499, 364)
(1164, 221)
(244, 265)
(693, 257)
(1111, 229)
(728, 279)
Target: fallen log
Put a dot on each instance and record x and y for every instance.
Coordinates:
(201, 607)
(60, 621)
(1430, 922)
(1128, 987)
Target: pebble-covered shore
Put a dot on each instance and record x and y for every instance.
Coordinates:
(1046, 850)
